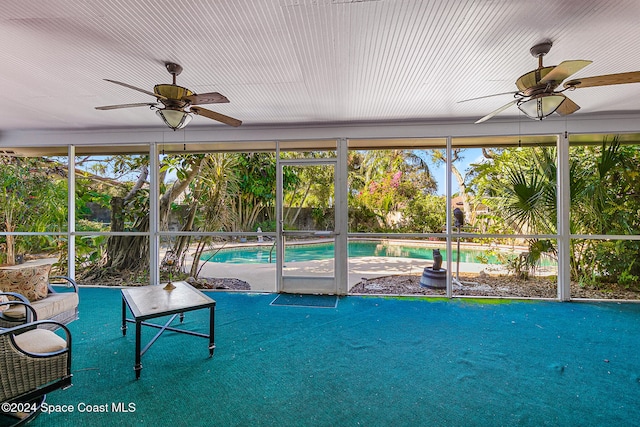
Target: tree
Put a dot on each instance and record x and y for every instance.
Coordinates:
(33, 197)
(605, 200)
(307, 186)
(210, 205)
(463, 192)
(520, 187)
(256, 190)
(130, 212)
(426, 214)
(382, 182)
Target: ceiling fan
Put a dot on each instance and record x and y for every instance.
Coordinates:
(537, 96)
(176, 104)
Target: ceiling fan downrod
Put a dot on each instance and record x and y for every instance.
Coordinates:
(173, 69)
(540, 50)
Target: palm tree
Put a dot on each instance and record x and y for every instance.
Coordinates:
(211, 204)
(520, 186)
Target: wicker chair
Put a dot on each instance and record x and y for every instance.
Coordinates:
(33, 362)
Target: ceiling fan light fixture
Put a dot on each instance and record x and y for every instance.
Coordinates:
(540, 106)
(175, 119)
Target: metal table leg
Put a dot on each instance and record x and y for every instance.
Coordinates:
(212, 345)
(124, 318)
(138, 365)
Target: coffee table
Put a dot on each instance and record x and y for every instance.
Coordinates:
(149, 302)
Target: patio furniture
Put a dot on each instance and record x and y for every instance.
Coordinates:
(153, 301)
(31, 284)
(33, 362)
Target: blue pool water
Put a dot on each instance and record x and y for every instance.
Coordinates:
(320, 251)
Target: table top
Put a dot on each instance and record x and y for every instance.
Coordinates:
(154, 301)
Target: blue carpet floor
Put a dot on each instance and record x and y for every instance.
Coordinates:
(368, 362)
(298, 300)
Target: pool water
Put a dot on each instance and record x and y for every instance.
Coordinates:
(320, 251)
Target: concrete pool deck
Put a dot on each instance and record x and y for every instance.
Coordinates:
(262, 277)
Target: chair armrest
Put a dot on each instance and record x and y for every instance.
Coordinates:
(69, 282)
(17, 296)
(30, 312)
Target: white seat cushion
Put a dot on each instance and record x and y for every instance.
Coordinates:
(40, 341)
(46, 308)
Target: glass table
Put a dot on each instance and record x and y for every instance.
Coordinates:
(153, 301)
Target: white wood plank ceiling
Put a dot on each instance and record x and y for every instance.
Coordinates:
(302, 61)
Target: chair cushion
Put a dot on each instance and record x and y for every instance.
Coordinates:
(29, 281)
(51, 306)
(40, 341)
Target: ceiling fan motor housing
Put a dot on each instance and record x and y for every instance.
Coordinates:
(173, 68)
(541, 49)
(172, 95)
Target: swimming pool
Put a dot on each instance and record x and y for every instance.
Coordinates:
(320, 251)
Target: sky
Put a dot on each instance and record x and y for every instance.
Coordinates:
(439, 170)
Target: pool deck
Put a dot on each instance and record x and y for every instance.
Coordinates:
(262, 277)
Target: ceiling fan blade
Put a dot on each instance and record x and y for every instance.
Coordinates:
(605, 80)
(206, 98)
(498, 111)
(155, 95)
(216, 116)
(567, 107)
(488, 96)
(138, 104)
(564, 70)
